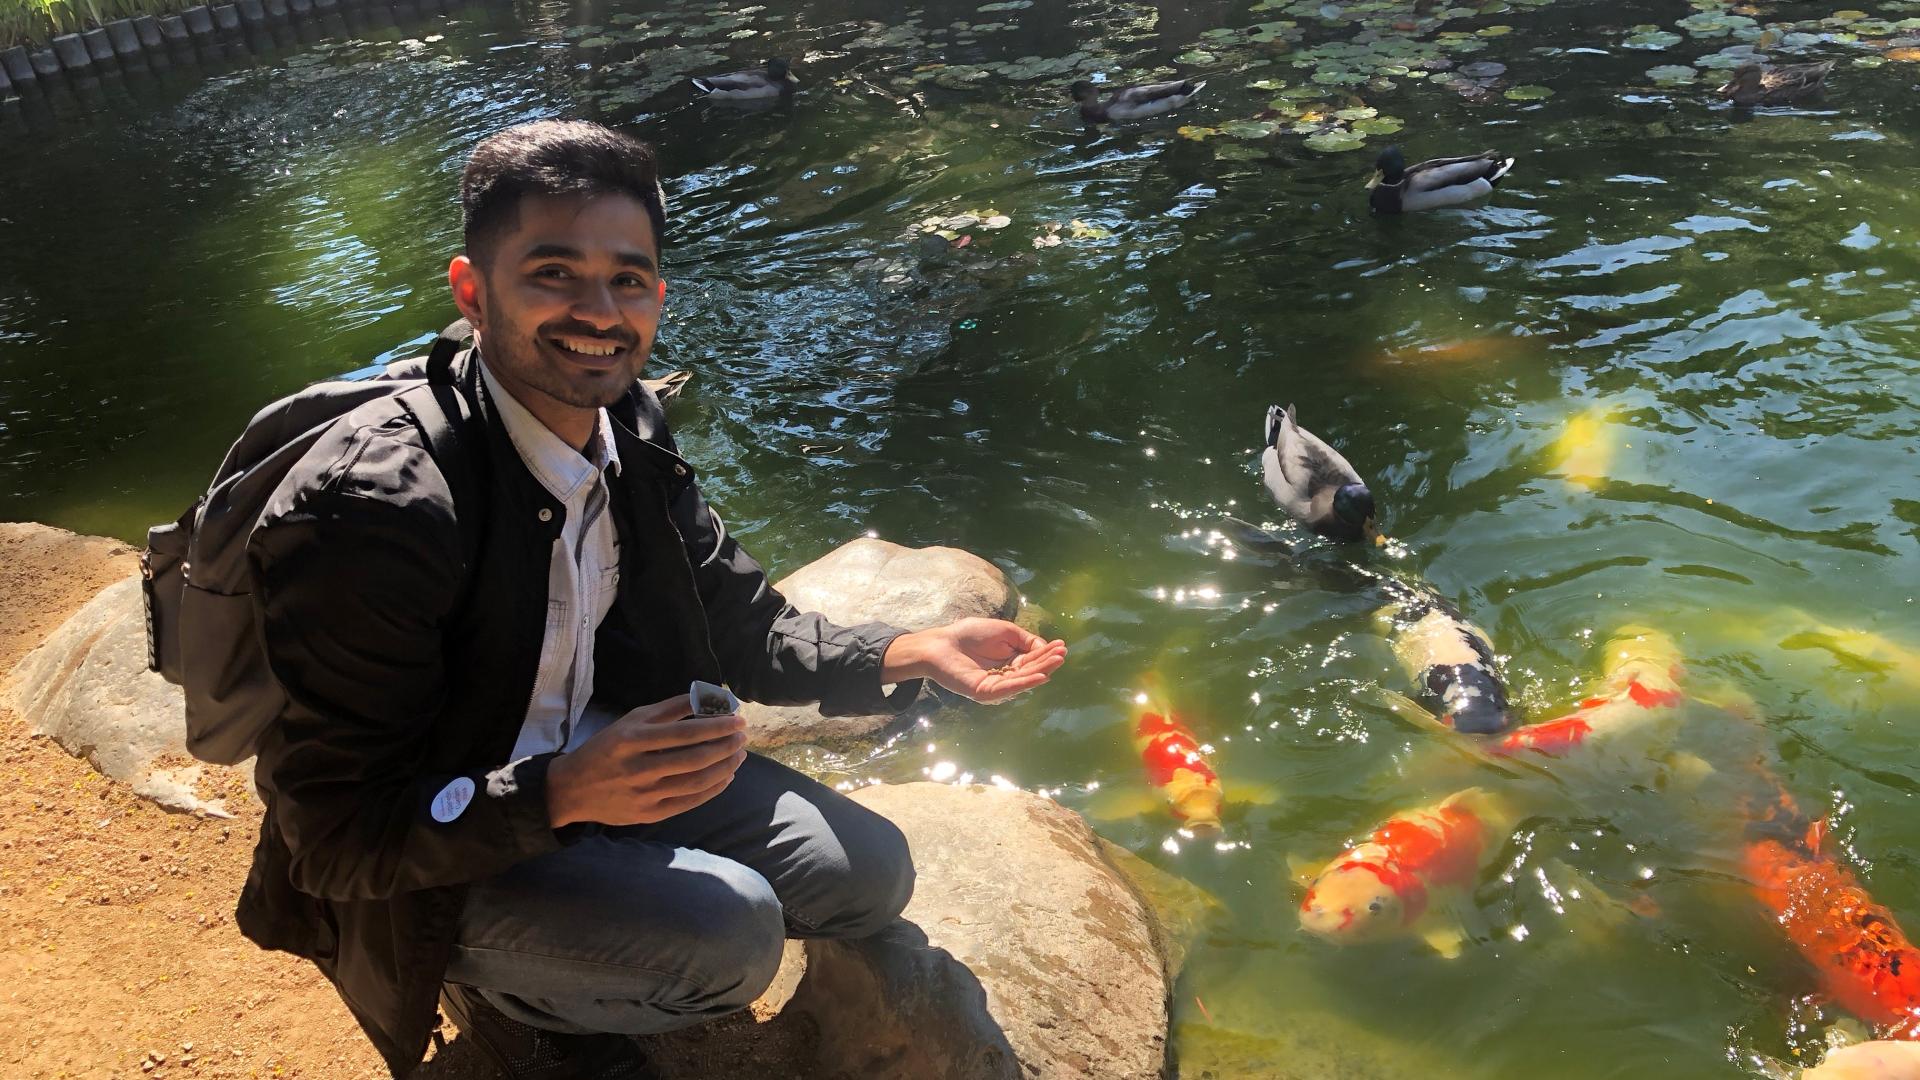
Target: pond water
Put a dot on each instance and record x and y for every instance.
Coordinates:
(1720, 303)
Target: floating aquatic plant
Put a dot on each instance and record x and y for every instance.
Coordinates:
(1672, 74)
(1529, 93)
(1336, 141)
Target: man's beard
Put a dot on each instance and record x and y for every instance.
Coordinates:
(527, 357)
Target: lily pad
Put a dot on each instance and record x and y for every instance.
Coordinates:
(1486, 69)
(1269, 84)
(1196, 56)
(1196, 132)
(1672, 74)
(1006, 5)
(1731, 57)
(1870, 61)
(1359, 112)
(1239, 152)
(1652, 40)
(1336, 141)
(1906, 55)
(1529, 93)
(598, 41)
(1497, 30)
(1249, 129)
(1848, 15)
(1379, 125)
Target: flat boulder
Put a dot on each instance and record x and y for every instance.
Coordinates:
(1025, 952)
(87, 686)
(868, 580)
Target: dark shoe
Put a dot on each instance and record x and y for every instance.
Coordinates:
(525, 1052)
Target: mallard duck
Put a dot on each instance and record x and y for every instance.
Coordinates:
(1312, 482)
(1756, 84)
(769, 80)
(1133, 102)
(1399, 188)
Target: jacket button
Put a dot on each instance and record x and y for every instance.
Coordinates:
(679, 470)
(546, 514)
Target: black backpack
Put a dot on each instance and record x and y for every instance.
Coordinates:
(202, 634)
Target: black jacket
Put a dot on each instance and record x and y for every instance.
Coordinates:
(408, 640)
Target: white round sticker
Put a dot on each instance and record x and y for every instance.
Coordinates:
(453, 799)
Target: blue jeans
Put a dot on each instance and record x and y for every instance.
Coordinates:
(646, 928)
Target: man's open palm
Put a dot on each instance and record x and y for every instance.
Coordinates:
(988, 660)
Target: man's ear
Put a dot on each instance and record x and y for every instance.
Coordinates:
(468, 295)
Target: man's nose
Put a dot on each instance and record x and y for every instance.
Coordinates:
(595, 307)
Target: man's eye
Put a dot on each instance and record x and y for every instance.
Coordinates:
(630, 281)
(555, 272)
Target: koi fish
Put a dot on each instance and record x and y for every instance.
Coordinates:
(1178, 769)
(1451, 662)
(1640, 693)
(1865, 651)
(1586, 447)
(1865, 960)
(1386, 886)
(1878, 1059)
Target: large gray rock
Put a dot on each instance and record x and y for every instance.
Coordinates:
(1023, 954)
(870, 580)
(88, 687)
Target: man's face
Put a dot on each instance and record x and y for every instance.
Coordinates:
(568, 302)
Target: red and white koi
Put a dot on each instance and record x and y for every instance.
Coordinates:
(1177, 767)
(1387, 885)
(1640, 696)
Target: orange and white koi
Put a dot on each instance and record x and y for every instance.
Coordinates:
(1866, 962)
(1386, 885)
(1640, 695)
(1177, 768)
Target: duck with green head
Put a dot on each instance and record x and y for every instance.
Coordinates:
(1399, 188)
(1312, 482)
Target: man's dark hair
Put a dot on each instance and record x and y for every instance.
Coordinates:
(553, 157)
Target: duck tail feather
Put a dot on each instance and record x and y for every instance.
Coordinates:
(1274, 413)
(702, 85)
(1500, 171)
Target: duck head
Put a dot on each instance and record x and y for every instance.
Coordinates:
(1353, 505)
(779, 68)
(1744, 80)
(1389, 168)
(1084, 92)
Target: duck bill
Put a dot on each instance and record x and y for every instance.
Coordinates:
(1374, 181)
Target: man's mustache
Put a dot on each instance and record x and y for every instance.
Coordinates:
(580, 330)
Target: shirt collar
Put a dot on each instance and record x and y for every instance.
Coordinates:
(561, 469)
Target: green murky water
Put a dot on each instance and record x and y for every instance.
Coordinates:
(1728, 299)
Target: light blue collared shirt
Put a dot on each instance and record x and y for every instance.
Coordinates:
(583, 575)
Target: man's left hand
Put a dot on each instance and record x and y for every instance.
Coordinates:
(988, 660)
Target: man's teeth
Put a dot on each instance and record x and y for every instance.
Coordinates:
(590, 348)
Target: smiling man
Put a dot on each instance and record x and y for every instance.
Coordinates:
(486, 785)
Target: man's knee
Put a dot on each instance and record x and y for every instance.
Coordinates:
(739, 952)
(879, 881)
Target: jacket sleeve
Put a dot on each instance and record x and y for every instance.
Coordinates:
(353, 579)
(770, 651)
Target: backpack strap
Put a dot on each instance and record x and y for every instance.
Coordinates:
(445, 347)
(446, 424)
